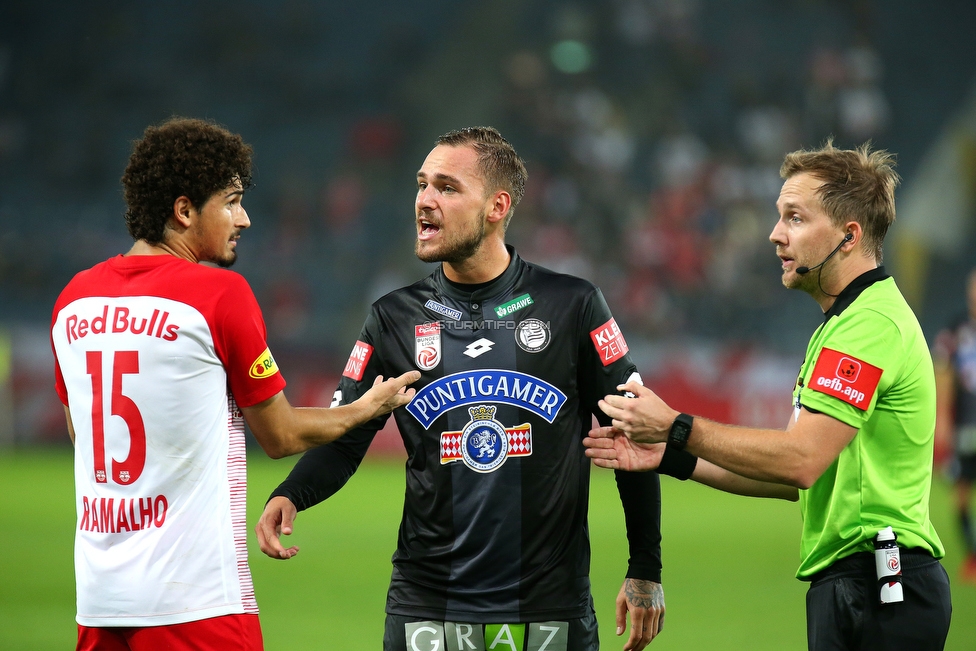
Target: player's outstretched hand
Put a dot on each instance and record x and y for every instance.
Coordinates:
(644, 600)
(610, 448)
(385, 396)
(278, 518)
(643, 417)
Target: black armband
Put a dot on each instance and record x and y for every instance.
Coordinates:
(677, 463)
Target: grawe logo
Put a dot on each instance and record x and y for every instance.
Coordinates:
(513, 305)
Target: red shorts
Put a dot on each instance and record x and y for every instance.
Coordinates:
(227, 633)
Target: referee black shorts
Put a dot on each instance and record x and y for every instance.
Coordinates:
(844, 612)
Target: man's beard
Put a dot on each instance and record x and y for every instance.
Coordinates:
(227, 261)
(458, 250)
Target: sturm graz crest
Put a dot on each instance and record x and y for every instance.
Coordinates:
(484, 444)
(532, 335)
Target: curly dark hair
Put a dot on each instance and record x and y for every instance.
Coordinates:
(180, 157)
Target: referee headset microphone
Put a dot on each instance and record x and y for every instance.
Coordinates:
(805, 270)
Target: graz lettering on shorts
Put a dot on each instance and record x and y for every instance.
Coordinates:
(455, 636)
(108, 515)
(486, 385)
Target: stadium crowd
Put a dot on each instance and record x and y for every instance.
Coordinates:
(653, 130)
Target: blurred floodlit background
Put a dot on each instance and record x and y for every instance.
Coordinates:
(653, 131)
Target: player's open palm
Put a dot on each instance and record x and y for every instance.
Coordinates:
(610, 448)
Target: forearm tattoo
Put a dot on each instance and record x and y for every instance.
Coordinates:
(644, 594)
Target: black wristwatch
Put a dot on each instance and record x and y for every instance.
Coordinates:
(680, 431)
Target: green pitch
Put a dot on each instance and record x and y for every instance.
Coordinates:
(728, 583)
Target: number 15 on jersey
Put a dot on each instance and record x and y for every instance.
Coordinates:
(120, 363)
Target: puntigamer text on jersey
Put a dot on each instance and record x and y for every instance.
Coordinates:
(154, 325)
(495, 385)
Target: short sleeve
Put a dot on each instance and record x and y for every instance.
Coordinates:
(856, 361)
(240, 339)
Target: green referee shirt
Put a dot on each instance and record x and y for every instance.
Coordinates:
(868, 366)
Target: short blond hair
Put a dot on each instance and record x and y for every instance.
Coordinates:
(857, 185)
(499, 164)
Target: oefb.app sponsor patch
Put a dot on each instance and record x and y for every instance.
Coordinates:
(845, 377)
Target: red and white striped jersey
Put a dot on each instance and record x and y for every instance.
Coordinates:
(154, 355)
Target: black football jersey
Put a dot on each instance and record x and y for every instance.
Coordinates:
(494, 521)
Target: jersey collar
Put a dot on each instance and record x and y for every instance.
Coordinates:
(850, 293)
(489, 289)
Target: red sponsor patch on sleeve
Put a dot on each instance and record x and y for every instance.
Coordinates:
(358, 358)
(609, 342)
(845, 377)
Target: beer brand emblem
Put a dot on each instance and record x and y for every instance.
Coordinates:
(428, 336)
(486, 385)
(264, 366)
(443, 310)
(484, 444)
(532, 335)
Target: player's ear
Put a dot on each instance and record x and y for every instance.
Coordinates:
(499, 205)
(182, 209)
